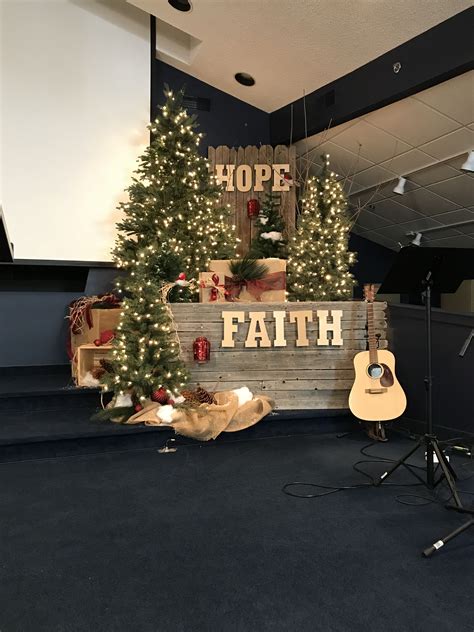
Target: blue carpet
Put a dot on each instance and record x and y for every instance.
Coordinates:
(204, 540)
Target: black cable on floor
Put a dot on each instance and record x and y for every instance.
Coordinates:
(333, 489)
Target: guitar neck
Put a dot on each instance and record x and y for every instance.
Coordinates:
(371, 334)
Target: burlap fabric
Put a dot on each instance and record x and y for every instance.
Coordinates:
(207, 421)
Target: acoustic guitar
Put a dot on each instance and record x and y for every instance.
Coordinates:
(376, 394)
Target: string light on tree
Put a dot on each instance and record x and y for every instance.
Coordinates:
(171, 229)
(319, 261)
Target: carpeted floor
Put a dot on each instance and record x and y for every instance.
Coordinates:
(203, 540)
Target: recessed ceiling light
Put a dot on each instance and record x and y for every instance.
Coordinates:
(244, 79)
(180, 5)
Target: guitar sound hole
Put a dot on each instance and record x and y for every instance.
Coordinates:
(375, 371)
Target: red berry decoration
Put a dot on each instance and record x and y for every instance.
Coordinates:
(160, 396)
(97, 342)
(138, 408)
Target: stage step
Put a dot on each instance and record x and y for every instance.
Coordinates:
(42, 415)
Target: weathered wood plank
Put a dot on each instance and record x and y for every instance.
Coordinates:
(312, 400)
(241, 210)
(294, 360)
(260, 375)
(279, 353)
(215, 337)
(251, 158)
(312, 328)
(278, 385)
(232, 194)
(281, 156)
(359, 307)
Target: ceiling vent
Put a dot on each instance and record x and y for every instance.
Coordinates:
(196, 103)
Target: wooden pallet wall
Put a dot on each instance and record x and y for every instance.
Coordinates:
(251, 155)
(295, 377)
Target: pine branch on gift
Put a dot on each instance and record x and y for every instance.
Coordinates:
(319, 261)
(247, 269)
(269, 241)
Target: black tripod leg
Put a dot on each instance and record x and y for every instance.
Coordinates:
(440, 543)
(448, 472)
(401, 461)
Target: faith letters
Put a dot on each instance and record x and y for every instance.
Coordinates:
(272, 332)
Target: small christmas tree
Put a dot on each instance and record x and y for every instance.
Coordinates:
(318, 257)
(269, 241)
(170, 231)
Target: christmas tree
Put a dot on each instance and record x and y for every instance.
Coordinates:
(319, 261)
(269, 241)
(171, 228)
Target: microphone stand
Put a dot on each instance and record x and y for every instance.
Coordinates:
(470, 523)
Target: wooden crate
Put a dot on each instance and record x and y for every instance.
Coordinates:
(88, 358)
(309, 377)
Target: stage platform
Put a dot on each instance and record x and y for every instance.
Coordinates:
(42, 415)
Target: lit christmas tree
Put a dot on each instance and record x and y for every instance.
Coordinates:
(269, 240)
(319, 261)
(170, 231)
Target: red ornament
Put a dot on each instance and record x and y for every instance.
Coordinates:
(138, 408)
(202, 350)
(182, 276)
(253, 207)
(105, 337)
(160, 396)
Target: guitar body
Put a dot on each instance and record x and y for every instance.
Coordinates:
(376, 394)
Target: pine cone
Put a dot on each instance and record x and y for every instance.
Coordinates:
(98, 372)
(199, 396)
(106, 365)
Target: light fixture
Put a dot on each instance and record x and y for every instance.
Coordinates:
(180, 5)
(400, 188)
(244, 79)
(469, 164)
(417, 237)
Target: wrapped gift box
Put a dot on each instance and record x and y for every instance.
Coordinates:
(270, 289)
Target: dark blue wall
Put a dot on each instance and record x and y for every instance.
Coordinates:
(453, 395)
(33, 329)
(373, 262)
(230, 121)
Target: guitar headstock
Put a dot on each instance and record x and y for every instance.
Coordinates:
(369, 292)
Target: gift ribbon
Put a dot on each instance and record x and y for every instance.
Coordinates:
(217, 290)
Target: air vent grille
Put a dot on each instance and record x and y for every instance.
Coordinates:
(197, 103)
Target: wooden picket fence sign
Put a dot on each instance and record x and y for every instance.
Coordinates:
(252, 155)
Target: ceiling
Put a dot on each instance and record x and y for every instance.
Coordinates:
(424, 138)
(289, 46)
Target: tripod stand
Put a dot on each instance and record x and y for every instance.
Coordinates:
(426, 268)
